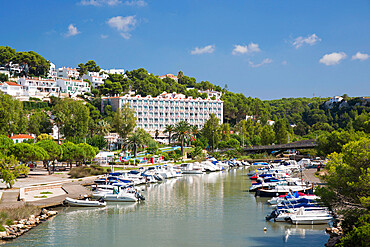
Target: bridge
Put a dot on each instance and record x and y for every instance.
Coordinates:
(282, 147)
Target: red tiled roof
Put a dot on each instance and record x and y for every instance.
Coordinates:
(12, 83)
(22, 136)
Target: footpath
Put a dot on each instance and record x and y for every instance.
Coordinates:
(39, 180)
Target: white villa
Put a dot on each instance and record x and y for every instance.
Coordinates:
(168, 108)
(11, 88)
(67, 73)
(95, 78)
(73, 87)
(39, 87)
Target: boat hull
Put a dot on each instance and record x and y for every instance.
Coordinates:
(84, 203)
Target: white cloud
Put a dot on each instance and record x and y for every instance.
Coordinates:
(240, 49)
(310, 40)
(360, 56)
(103, 36)
(138, 3)
(122, 23)
(100, 2)
(333, 58)
(264, 61)
(125, 35)
(202, 50)
(72, 31)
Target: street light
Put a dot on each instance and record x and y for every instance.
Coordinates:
(213, 136)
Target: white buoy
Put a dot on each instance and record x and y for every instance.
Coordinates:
(265, 229)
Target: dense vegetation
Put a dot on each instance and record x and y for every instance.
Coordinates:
(32, 63)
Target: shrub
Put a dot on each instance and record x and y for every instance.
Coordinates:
(85, 171)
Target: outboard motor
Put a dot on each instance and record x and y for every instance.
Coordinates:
(273, 215)
(140, 197)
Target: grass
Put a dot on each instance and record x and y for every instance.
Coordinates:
(46, 192)
(9, 215)
(43, 196)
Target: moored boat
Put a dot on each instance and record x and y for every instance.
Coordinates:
(84, 203)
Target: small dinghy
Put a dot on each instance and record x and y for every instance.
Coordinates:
(84, 203)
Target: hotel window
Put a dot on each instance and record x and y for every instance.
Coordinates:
(139, 101)
(145, 101)
(150, 126)
(145, 119)
(156, 125)
(176, 108)
(145, 126)
(156, 108)
(171, 108)
(181, 108)
(186, 108)
(161, 114)
(201, 109)
(145, 107)
(140, 125)
(161, 126)
(161, 108)
(156, 113)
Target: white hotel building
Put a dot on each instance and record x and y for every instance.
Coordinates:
(154, 113)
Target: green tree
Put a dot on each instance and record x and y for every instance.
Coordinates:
(124, 121)
(69, 152)
(225, 132)
(89, 152)
(97, 141)
(10, 169)
(28, 152)
(137, 139)
(181, 132)
(169, 129)
(267, 135)
(5, 145)
(39, 122)
(44, 137)
(53, 152)
(3, 77)
(103, 128)
(12, 117)
(75, 116)
(281, 132)
(211, 131)
(348, 179)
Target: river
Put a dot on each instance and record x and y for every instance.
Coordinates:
(196, 210)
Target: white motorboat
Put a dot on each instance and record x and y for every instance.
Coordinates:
(191, 168)
(310, 219)
(119, 195)
(84, 203)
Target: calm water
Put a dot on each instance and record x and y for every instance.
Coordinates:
(196, 210)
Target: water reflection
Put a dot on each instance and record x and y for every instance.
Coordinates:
(194, 210)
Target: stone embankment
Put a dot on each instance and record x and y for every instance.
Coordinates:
(22, 226)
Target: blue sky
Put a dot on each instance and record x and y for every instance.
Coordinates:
(264, 48)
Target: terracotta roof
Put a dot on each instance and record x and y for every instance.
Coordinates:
(12, 83)
(22, 136)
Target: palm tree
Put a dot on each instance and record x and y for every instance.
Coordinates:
(195, 130)
(103, 127)
(135, 140)
(169, 129)
(156, 134)
(182, 131)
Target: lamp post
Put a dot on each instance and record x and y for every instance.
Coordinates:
(213, 136)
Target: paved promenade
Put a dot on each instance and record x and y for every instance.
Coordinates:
(39, 178)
